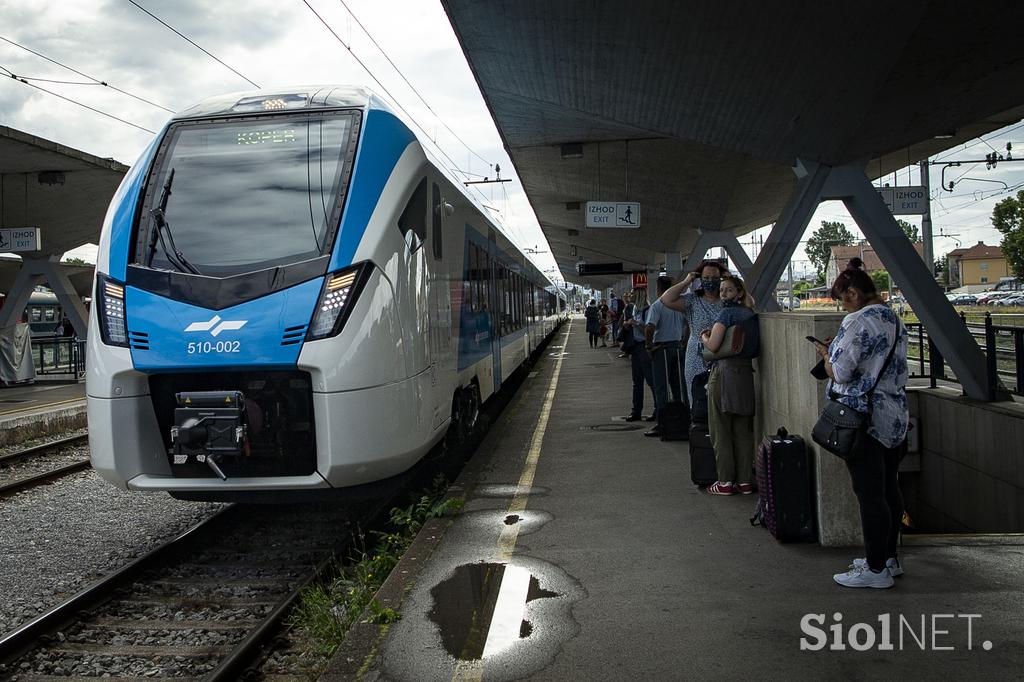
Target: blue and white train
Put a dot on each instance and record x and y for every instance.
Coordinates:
(291, 296)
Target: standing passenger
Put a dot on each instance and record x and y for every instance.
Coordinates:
(615, 314)
(593, 316)
(701, 308)
(731, 393)
(870, 349)
(663, 335)
(640, 358)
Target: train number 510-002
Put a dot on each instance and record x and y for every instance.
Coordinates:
(203, 347)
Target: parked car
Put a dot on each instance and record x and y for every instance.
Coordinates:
(1016, 298)
(784, 303)
(964, 299)
(990, 297)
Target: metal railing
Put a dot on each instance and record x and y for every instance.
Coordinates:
(58, 355)
(1003, 346)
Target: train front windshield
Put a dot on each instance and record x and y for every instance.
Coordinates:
(246, 194)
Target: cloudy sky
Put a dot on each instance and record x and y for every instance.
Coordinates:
(283, 42)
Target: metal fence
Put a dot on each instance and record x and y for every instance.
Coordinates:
(58, 355)
(1002, 344)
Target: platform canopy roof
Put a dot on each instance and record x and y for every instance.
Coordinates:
(62, 191)
(698, 110)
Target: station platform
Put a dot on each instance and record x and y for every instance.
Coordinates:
(584, 552)
(34, 410)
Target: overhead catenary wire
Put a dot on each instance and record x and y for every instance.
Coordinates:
(85, 106)
(95, 80)
(411, 86)
(195, 44)
(383, 88)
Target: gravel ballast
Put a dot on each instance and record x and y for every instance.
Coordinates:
(56, 539)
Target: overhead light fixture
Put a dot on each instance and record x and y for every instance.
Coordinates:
(572, 151)
(945, 136)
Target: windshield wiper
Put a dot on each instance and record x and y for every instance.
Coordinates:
(173, 255)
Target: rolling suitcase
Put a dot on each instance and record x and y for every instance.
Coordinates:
(703, 470)
(785, 504)
(674, 421)
(699, 398)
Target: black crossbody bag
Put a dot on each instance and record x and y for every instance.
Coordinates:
(841, 429)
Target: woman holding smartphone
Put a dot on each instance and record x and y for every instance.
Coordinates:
(870, 350)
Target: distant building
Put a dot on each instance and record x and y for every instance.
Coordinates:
(841, 255)
(975, 266)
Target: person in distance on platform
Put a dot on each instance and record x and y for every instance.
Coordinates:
(731, 392)
(615, 306)
(870, 346)
(664, 331)
(640, 357)
(605, 324)
(624, 337)
(701, 308)
(593, 317)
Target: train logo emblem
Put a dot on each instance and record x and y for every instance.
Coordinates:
(215, 325)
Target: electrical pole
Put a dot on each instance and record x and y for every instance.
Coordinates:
(926, 219)
(791, 286)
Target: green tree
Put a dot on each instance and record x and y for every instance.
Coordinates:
(1008, 218)
(909, 230)
(75, 261)
(881, 280)
(940, 271)
(819, 246)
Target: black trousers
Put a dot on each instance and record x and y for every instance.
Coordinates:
(593, 339)
(643, 373)
(874, 472)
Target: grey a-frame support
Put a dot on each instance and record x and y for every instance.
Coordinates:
(710, 239)
(958, 347)
(785, 236)
(35, 271)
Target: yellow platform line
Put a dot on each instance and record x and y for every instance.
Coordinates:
(42, 406)
(472, 671)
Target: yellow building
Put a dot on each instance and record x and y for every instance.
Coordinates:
(979, 265)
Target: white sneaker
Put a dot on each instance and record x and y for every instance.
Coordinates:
(892, 564)
(862, 576)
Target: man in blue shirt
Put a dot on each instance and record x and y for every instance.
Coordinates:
(665, 331)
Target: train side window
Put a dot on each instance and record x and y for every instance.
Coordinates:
(435, 215)
(412, 222)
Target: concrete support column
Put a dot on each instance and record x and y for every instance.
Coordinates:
(708, 240)
(958, 347)
(673, 264)
(785, 235)
(33, 272)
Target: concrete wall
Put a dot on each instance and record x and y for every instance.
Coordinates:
(971, 475)
(789, 396)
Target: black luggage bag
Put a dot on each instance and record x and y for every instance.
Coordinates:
(699, 398)
(703, 470)
(674, 421)
(785, 504)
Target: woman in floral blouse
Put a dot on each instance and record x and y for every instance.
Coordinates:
(854, 360)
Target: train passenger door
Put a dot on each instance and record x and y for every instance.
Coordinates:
(496, 307)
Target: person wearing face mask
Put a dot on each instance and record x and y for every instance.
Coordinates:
(700, 308)
(731, 393)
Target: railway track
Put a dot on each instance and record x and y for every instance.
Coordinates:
(201, 606)
(25, 462)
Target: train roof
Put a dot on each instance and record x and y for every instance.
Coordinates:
(292, 97)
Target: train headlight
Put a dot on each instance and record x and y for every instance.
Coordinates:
(336, 300)
(111, 311)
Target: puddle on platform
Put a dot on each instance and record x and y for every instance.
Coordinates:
(479, 609)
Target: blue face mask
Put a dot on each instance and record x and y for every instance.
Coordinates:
(711, 284)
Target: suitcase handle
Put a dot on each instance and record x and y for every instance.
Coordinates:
(782, 433)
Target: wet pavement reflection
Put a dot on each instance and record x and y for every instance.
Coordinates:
(479, 609)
